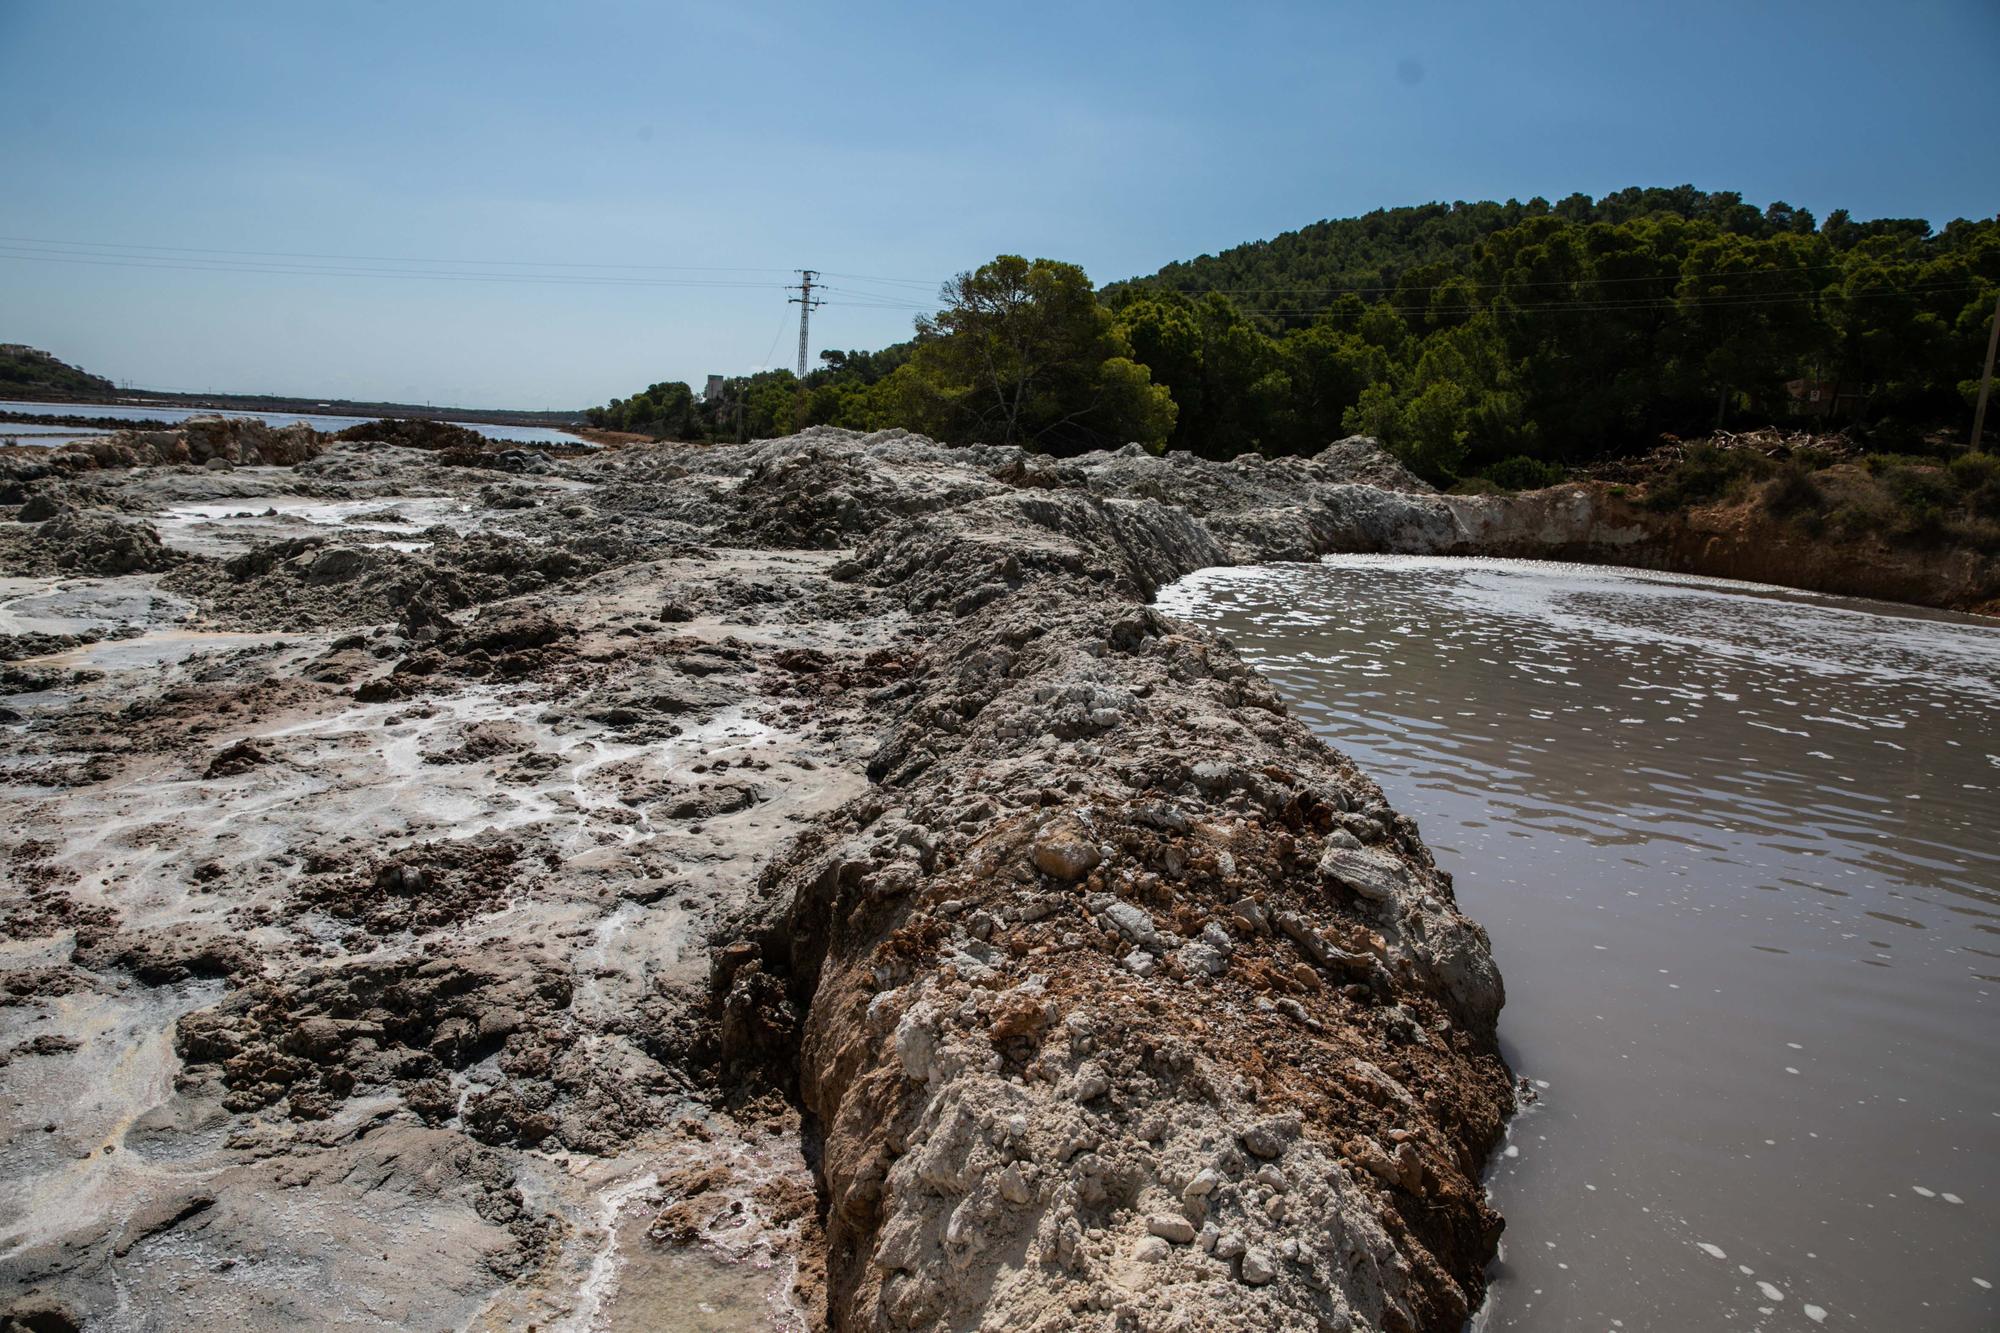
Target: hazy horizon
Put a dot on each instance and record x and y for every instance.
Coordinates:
(500, 206)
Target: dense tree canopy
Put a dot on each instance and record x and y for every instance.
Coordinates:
(1464, 335)
(1023, 353)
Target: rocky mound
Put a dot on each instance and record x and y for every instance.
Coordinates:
(320, 582)
(81, 542)
(415, 433)
(1018, 978)
(200, 441)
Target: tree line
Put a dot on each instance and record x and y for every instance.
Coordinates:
(1468, 337)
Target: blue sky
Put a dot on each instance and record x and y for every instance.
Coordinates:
(897, 143)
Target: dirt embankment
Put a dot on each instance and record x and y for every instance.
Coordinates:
(1737, 538)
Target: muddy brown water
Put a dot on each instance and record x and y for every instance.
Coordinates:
(1738, 850)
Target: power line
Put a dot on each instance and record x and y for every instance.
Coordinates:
(273, 270)
(386, 259)
(772, 350)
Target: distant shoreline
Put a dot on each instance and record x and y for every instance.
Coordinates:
(346, 407)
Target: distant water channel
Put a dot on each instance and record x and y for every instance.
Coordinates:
(52, 436)
(1739, 853)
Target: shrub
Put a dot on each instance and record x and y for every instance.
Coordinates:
(1793, 491)
(1521, 473)
(1921, 487)
(1708, 474)
(1921, 525)
(1977, 477)
(1881, 464)
(1861, 518)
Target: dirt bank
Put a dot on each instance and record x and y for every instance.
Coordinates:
(1737, 538)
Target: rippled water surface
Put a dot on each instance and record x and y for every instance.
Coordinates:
(1739, 853)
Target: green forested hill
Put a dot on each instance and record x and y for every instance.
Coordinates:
(1303, 270)
(28, 371)
(1466, 334)
(1469, 337)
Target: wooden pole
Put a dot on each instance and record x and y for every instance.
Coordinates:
(1986, 381)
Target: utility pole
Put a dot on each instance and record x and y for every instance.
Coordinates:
(807, 303)
(1986, 381)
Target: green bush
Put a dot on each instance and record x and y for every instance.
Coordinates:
(1862, 518)
(1793, 492)
(1521, 473)
(1921, 525)
(1921, 487)
(1882, 464)
(1977, 477)
(1707, 474)
(1980, 534)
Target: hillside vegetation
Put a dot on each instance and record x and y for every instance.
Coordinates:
(1468, 337)
(26, 372)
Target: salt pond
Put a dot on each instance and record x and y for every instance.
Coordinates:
(51, 436)
(1739, 852)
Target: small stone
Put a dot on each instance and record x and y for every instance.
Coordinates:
(1203, 1184)
(1171, 1227)
(1269, 1138)
(1150, 1250)
(1409, 1167)
(1207, 1238)
(1229, 1245)
(1212, 776)
(1257, 1270)
(1091, 1082)
(1013, 1185)
(1139, 963)
(1133, 923)
(1064, 855)
(1370, 872)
